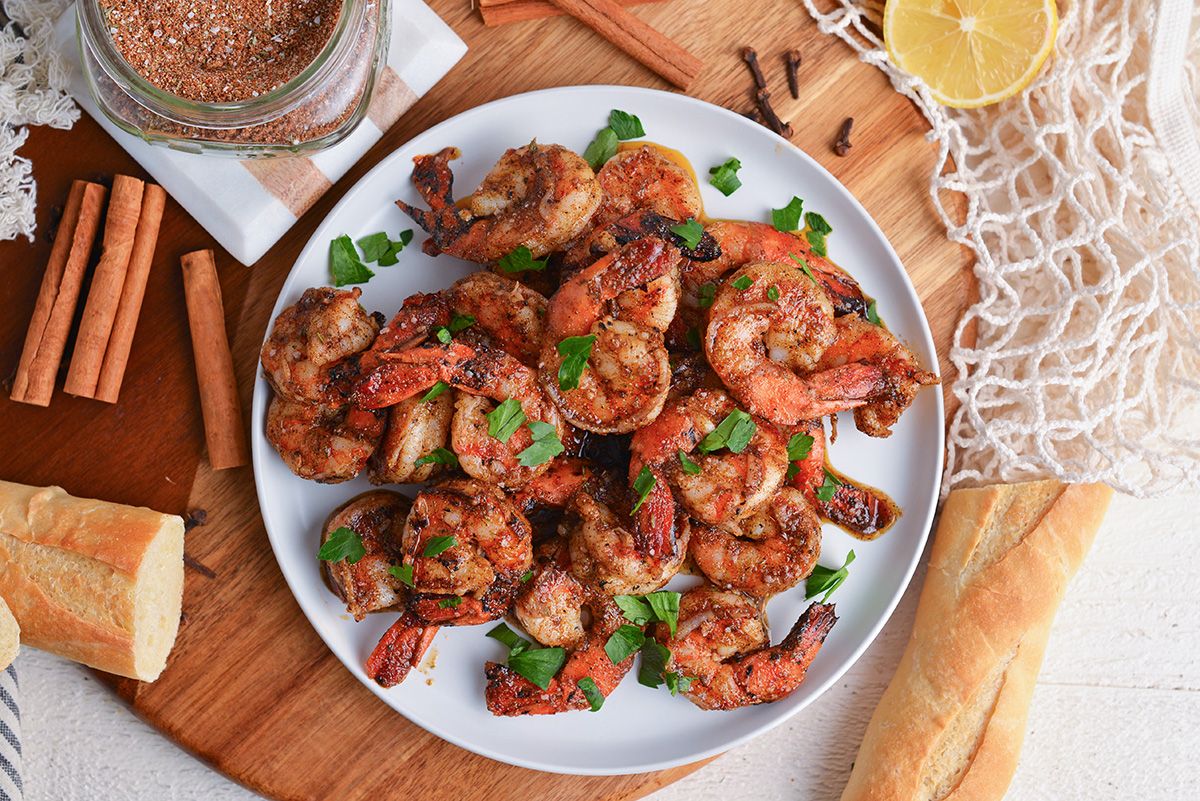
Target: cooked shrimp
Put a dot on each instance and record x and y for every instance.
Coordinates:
(399, 650)
(552, 607)
(512, 314)
(772, 343)
(745, 242)
(554, 488)
(723, 486)
(605, 553)
(722, 645)
(323, 443)
(373, 377)
(768, 552)
(311, 336)
(863, 511)
(627, 375)
(646, 178)
(537, 196)
(416, 428)
(377, 517)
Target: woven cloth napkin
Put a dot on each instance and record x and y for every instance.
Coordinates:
(11, 788)
(247, 205)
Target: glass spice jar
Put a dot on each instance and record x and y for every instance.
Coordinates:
(300, 108)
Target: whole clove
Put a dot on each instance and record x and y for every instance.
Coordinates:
(793, 72)
(843, 143)
(772, 119)
(750, 56)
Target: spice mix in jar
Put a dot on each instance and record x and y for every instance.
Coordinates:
(236, 77)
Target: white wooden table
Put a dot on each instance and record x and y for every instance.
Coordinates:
(1116, 714)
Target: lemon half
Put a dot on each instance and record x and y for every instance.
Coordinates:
(970, 52)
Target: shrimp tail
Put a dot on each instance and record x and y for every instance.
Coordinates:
(655, 534)
(443, 221)
(399, 650)
(469, 610)
(646, 223)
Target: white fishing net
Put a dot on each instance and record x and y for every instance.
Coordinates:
(1083, 212)
(33, 79)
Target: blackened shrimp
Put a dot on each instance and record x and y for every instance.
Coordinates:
(324, 443)
(722, 645)
(377, 519)
(537, 196)
(768, 552)
(560, 611)
(626, 376)
(512, 314)
(468, 546)
(646, 178)
(606, 554)
(775, 343)
(308, 338)
(416, 427)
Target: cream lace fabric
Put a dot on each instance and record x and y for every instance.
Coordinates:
(32, 92)
(1083, 212)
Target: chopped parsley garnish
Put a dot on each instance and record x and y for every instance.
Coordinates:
(734, 432)
(677, 682)
(447, 603)
(798, 447)
(624, 643)
(693, 338)
(403, 572)
(457, 323)
(690, 232)
(520, 260)
(515, 642)
(437, 545)
(743, 283)
(788, 218)
(661, 606)
(828, 488)
(689, 467)
(601, 149)
(575, 352)
(343, 543)
(625, 125)
(773, 292)
(538, 664)
(438, 456)
(545, 447)
(873, 315)
(724, 177)
(817, 229)
(344, 264)
(642, 485)
(707, 294)
(379, 248)
(591, 692)
(435, 390)
(505, 419)
(654, 663)
(804, 266)
(826, 580)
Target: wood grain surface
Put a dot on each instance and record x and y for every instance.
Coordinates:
(249, 687)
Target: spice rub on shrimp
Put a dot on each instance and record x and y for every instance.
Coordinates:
(416, 427)
(723, 646)
(510, 313)
(536, 196)
(606, 554)
(324, 443)
(774, 341)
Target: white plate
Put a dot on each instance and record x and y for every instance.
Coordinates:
(638, 729)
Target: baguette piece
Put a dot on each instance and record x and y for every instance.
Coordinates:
(950, 724)
(100, 583)
(10, 636)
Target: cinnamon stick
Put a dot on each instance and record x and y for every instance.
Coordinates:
(59, 294)
(214, 363)
(120, 228)
(116, 357)
(636, 38)
(503, 12)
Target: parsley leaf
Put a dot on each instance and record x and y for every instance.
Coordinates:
(734, 432)
(690, 232)
(344, 264)
(654, 663)
(662, 605)
(625, 125)
(520, 260)
(788, 218)
(576, 351)
(591, 692)
(435, 390)
(601, 149)
(804, 266)
(636, 610)
(743, 283)
(817, 240)
(642, 485)
(624, 643)
(515, 642)
(437, 545)
(457, 323)
(798, 447)
(379, 248)
(826, 580)
(828, 488)
(772, 292)
(817, 229)
(677, 682)
(693, 338)
(402, 572)
(447, 603)
(505, 419)
(707, 294)
(724, 177)
(873, 315)
(538, 664)
(438, 456)
(343, 543)
(689, 467)
(545, 447)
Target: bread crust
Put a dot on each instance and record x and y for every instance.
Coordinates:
(950, 724)
(10, 636)
(97, 582)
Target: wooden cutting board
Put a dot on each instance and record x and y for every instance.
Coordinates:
(250, 688)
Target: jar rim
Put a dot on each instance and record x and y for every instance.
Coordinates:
(230, 114)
